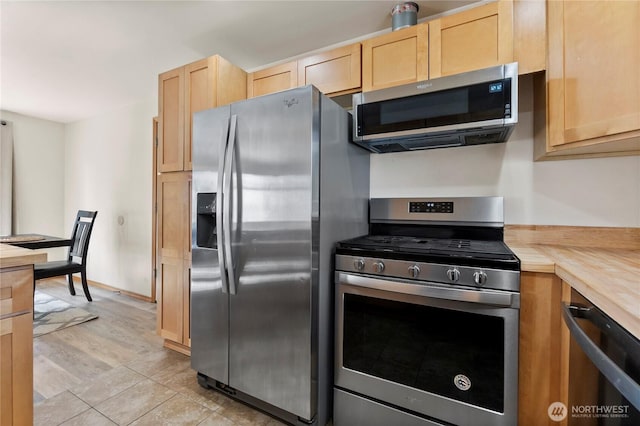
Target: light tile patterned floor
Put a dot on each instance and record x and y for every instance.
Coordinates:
(114, 370)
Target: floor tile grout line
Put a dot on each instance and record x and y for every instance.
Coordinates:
(153, 408)
(163, 371)
(147, 412)
(73, 417)
(112, 396)
(189, 397)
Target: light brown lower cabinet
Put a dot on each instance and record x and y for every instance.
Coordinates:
(16, 346)
(540, 347)
(173, 265)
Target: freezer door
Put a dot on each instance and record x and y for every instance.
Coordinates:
(270, 347)
(209, 299)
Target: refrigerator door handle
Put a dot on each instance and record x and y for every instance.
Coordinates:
(220, 208)
(226, 193)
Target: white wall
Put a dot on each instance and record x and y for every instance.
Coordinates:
(585, 192)
(38, 177)
(109, 170)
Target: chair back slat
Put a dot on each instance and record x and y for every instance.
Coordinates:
(81, 234)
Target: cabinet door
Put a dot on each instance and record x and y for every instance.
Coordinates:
(171, 121)
(187, 220)
(530, 35)
(396, 58)
(199, 95)
(171, 303)
(174, 255)
(473, 39)
(539, 347)
(333, 72)
(231, 82)
(16, 346)
(593, 69)
(174, 221)
(186, 306)
(273, 79)
(16, 370)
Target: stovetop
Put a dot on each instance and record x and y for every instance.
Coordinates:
(459, 251)
(450, 241)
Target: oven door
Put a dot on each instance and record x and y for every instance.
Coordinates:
(443, 352)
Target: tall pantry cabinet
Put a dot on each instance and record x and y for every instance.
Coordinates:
(204, 84)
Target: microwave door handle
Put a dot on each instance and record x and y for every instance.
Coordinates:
(227, 203)
(618, 378)
(220, 208)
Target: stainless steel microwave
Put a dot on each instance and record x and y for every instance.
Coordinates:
(472, 108)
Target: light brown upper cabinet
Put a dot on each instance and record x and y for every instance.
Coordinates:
(591, 94)
(272, 79)
(472, 39)
(530, 35)
(334, 72)
(171, 120)
(396, 58)
(204, 84)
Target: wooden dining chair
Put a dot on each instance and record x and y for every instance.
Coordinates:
(76, 258)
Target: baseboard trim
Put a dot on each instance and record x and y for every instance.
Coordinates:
(177, 347)
(119, 290)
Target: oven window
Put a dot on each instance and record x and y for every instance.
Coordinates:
(427, 348)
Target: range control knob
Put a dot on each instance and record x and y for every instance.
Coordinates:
(358, 264)
(479, 277)
(453, 274)
(378, 267)
(414, 271)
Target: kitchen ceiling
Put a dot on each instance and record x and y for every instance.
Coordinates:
(70, 60)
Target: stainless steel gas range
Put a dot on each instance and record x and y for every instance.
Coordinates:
(427, 310)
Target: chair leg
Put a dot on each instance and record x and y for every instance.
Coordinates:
(83, 275)
(72, 289)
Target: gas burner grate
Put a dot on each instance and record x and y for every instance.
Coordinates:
(460, 244)
(393, 239)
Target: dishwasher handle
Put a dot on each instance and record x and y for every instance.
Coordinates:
(618, 378)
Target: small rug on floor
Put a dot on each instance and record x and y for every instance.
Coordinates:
(53, 314)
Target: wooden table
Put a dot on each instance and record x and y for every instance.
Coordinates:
(35, 241)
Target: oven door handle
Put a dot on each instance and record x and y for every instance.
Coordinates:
(483, 297)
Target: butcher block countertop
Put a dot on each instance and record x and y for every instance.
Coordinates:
(11, 256)
(608, 277)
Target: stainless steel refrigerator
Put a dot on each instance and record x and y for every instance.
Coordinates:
(275, 184)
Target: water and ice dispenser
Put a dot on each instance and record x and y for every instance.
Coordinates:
(206, 231)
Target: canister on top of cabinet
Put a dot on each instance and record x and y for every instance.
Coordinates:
(404, 15)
